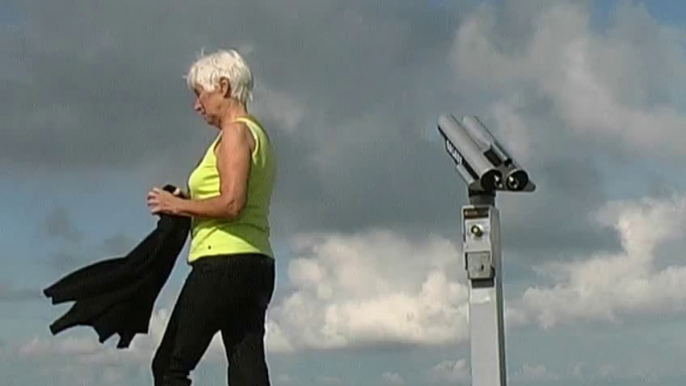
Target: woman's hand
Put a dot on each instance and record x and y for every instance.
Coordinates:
(161, 201)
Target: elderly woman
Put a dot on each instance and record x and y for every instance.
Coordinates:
(232, 277)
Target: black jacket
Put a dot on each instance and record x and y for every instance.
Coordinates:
(116, 296)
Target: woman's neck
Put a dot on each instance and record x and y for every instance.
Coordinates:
(232, 113)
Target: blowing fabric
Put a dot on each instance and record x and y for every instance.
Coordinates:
(117, 295)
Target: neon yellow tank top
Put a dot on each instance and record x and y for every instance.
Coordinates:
(249, 233)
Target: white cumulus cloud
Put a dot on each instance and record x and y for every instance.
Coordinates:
(281, 107)
(621, 85)
(451, 371)
(606, 285)
(368, 289)
(82, 347)
(393, 378)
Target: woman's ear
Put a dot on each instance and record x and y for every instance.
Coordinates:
(225, 87)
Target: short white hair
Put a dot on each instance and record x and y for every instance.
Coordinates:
(208, 69)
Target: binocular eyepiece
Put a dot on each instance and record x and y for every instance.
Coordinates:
(517, 180)
(481, 161)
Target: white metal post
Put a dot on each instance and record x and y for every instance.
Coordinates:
(486, 167)
(481, 250)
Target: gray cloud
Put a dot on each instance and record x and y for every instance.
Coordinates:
(365, 74)
(10, 294)
(103, 86)
(59, 225)
(557, 218)
(362, 82)
(80, 251)
(62, 260)
(79, 254)
(118, 243)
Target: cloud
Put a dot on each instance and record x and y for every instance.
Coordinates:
(80, 347)
(80, 360)
(63, 260)
(278, 106)
(276, 338)
(284, 379)
(572, 101)
(645, 374)
(451, 371)
(81, 251)
(77, 255)
(118, 243)
(328, 380)
(10, 294)
(353, 120)
(529, 373)
(609, 86)
(58, 224)
(102, 90)
(371, 289)
(392, 378)
(143, 99)
(605, 286)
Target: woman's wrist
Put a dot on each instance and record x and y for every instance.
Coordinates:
(183, 207)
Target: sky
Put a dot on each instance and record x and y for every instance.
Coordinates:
(588, 96)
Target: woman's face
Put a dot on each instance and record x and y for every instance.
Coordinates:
(209, 104)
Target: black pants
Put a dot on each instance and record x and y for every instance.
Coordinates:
(227, 294)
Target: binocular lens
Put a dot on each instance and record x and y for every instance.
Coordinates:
(517, 180)
(491, 180)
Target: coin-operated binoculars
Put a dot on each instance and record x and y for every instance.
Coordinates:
(485, 167)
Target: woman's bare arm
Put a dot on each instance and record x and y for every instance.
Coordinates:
(233, 163)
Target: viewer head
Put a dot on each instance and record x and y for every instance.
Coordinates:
(222, 81)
